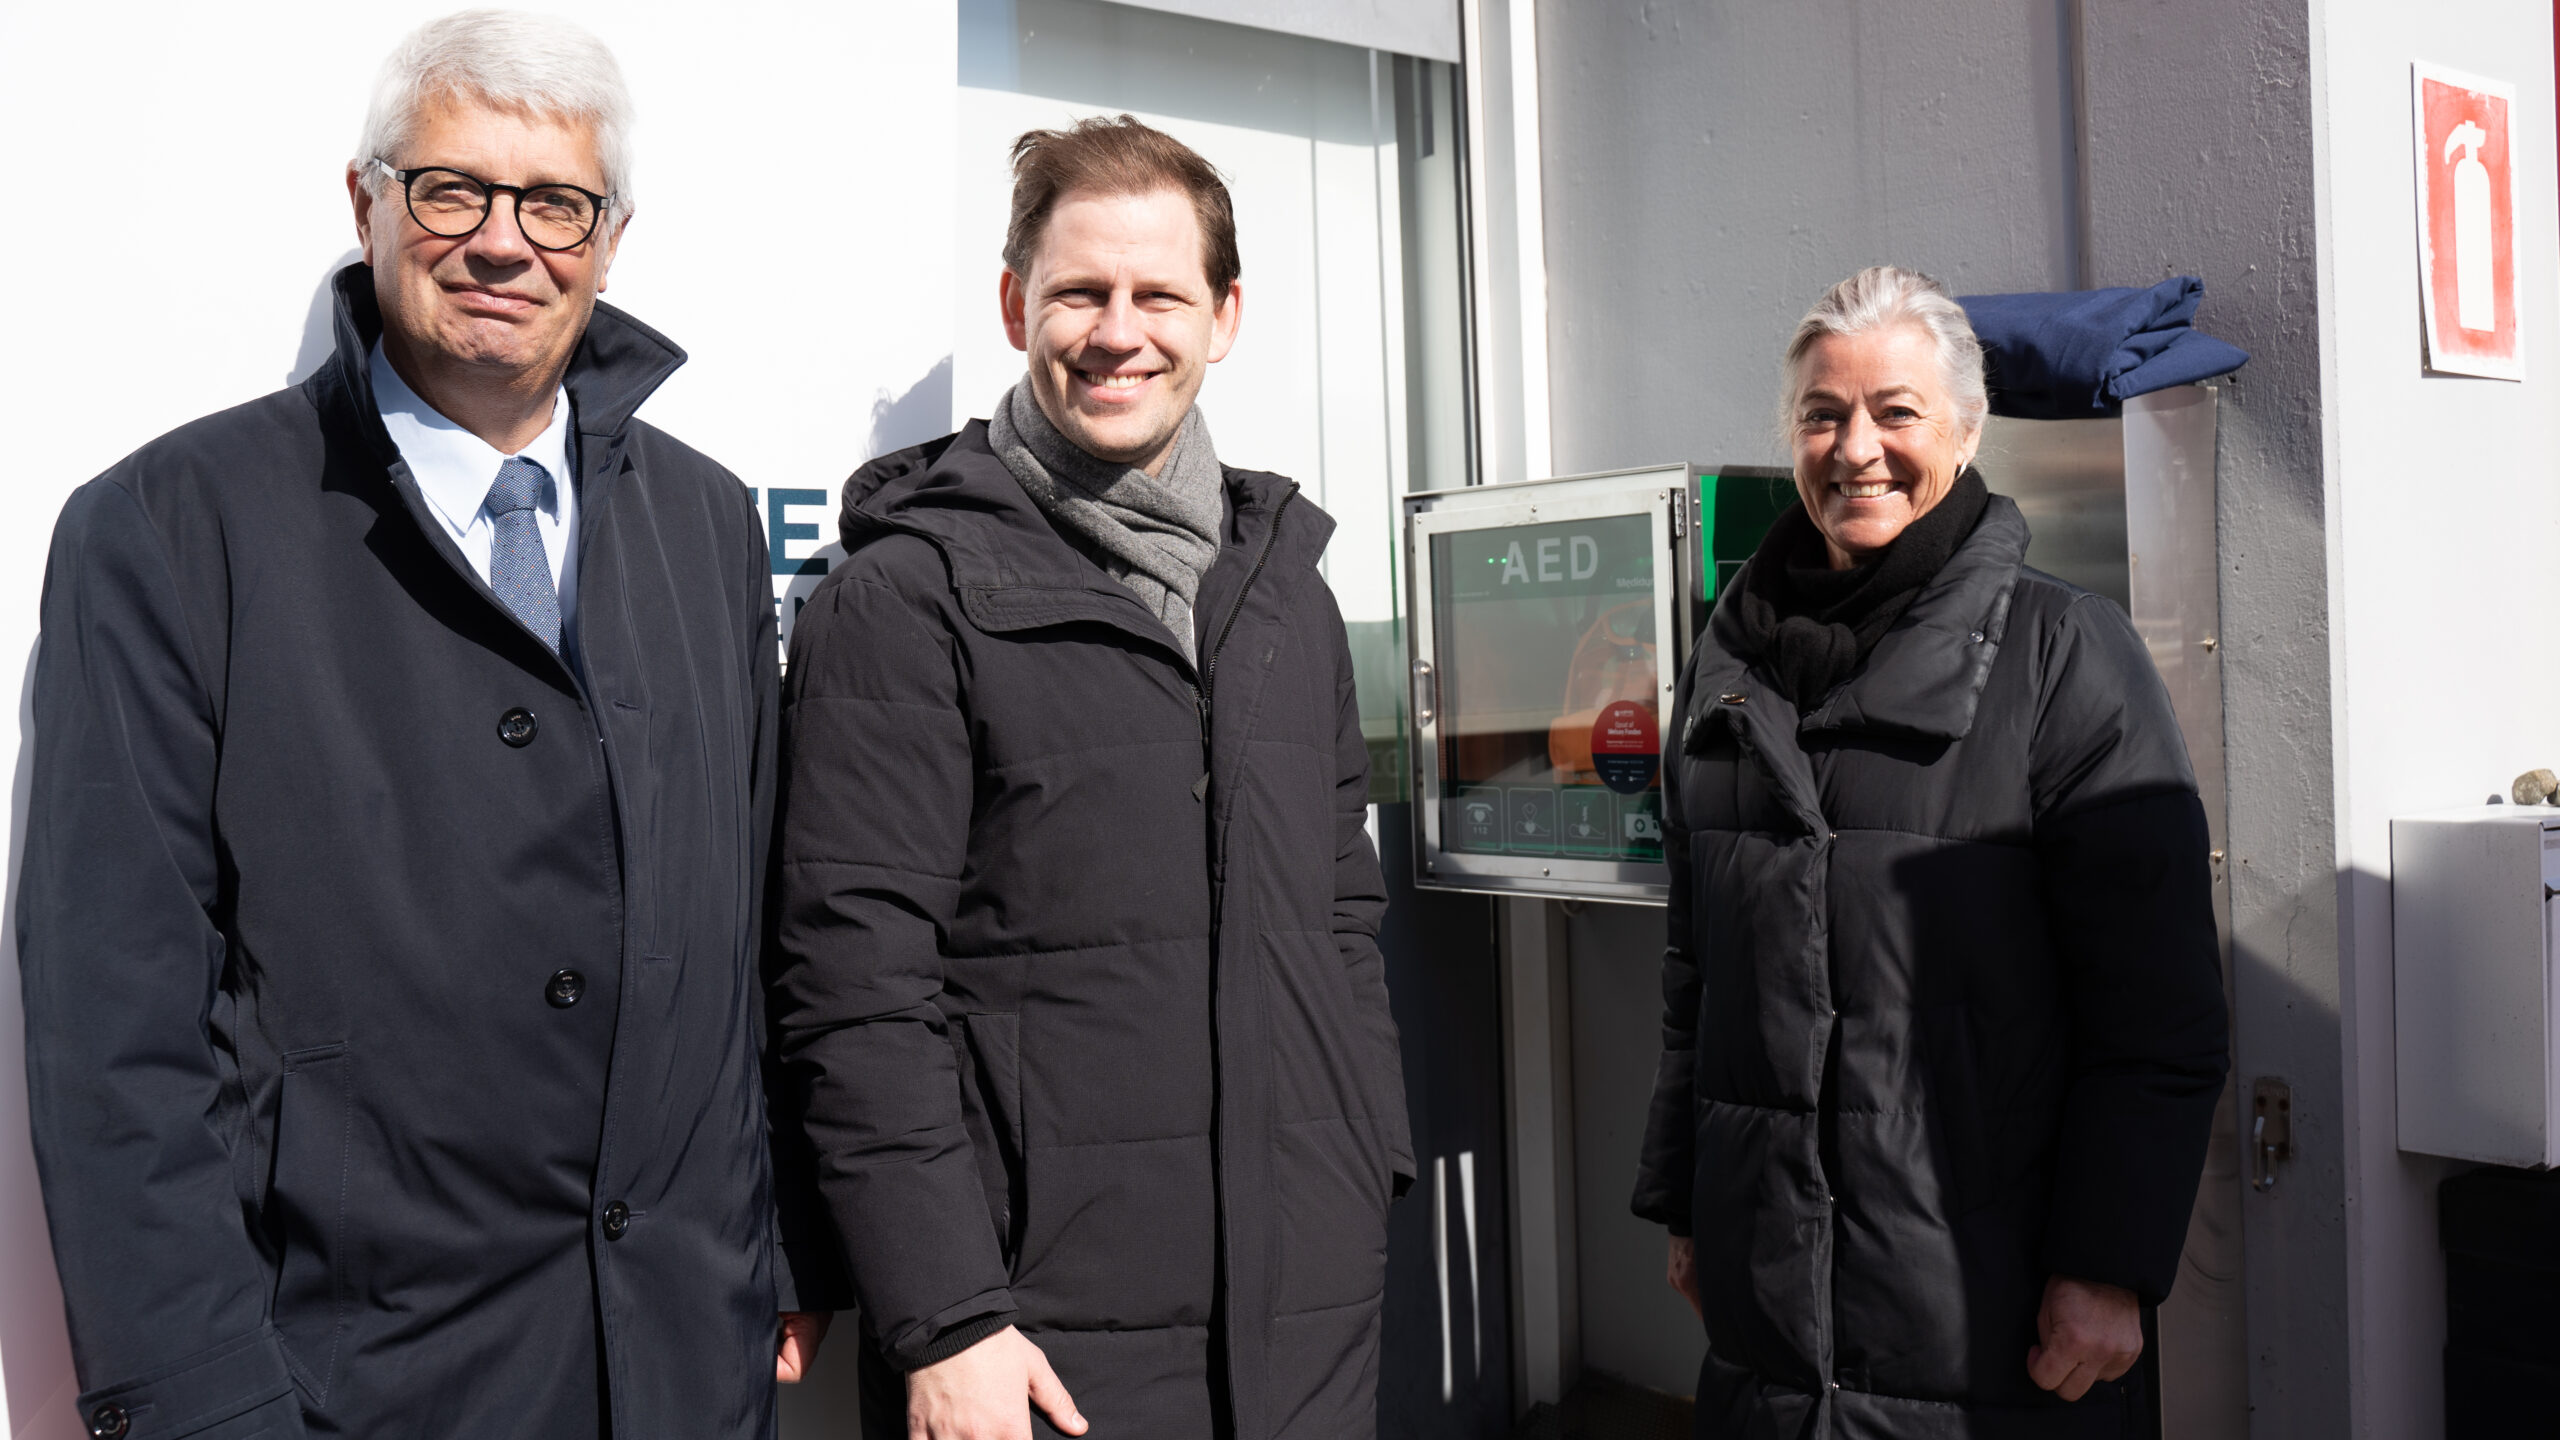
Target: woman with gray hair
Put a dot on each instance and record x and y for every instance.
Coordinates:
(1944, 1026)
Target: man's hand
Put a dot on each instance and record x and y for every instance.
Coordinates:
(797, 1343)
(1684, 1272)
(979, 1394)
(2089, 1332)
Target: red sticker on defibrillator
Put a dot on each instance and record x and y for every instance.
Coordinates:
(1626, 746)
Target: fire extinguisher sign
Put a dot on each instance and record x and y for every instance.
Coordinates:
(2466, 221)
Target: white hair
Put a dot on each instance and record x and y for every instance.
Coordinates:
(1881, 297)
(512, 60)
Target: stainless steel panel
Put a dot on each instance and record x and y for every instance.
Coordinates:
(2175, 597)
(2125, 507)
(2068, 477)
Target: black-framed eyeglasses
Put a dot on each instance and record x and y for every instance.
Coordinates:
(449, 203)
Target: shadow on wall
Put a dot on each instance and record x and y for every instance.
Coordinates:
(922, 413)
(320, 322)
(919, 413)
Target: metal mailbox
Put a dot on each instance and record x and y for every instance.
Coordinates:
(2475, 919)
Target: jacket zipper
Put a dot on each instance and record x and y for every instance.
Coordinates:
(1201, 695)
(1204, 693)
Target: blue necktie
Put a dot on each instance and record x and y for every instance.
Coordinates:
(519, 570)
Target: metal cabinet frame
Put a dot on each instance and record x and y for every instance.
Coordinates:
(1660, 492)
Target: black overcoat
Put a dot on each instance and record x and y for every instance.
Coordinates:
(1078, 956)
(317, 1135)
(1943, 1014)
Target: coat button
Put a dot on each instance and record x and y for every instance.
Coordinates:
(516, 727)
(1732, 697)
(109, 1421)
(565, 989)
(617, 1219)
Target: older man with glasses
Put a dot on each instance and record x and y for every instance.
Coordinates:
(402, 772)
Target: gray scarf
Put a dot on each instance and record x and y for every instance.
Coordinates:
(1155, 534)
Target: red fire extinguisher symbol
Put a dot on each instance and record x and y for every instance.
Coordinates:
(2466, 223)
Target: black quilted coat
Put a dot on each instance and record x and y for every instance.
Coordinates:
(1943, 1016)
(1077, 969)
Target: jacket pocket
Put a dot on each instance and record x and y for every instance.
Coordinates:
(991, 1098)
(1955, 1105)
(307, 1206)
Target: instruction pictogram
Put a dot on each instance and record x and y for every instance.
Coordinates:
(2466, 222)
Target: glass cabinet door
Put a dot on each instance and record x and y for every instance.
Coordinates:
(1545, 655)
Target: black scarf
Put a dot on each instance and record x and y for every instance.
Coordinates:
(1813, 626)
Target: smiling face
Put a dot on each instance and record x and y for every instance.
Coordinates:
(1119, 321)
(1878, 439)
(488, 303)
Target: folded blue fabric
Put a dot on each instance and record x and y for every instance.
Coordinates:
(2069, 355)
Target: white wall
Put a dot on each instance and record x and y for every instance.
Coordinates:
(2447, 511)
(128, 316)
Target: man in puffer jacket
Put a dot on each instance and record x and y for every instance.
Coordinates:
(1077, 968)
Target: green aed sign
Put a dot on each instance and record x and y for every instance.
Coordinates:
(1736, 505)
(1609, 556)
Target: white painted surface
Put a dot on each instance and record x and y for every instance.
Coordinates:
(130, 317)
(1634, 1326)
(1538, 1075)
(2446, 505)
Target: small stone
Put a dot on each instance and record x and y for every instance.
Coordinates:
(2534, 787)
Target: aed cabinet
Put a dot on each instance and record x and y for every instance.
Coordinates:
(2478, 1028)
(1550, 620)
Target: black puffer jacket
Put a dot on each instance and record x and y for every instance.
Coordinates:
(1944, 1016)
(1078, 969)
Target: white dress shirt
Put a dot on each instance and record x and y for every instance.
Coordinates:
(455, 468)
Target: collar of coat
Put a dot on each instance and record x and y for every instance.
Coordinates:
(1924, 677)
(619, 363)
(1010, 568)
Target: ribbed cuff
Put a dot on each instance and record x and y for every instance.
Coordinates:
(960, 1337)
